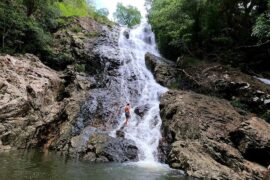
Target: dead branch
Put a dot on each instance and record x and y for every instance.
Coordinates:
(210, 68)
(191, 77)
(253, 46)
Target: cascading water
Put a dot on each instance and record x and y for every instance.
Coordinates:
(265, 81)
(139, 88)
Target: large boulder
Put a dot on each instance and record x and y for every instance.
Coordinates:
(207, 137)
(102, 147)
(253, 140)
(164, 71)
(74, 42)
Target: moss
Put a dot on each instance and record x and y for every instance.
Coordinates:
(239, 104)
(92, 34)
(266, 116)
(76, 29)
(80, 67)
(103, 20)
(175, 84)
(64, 21)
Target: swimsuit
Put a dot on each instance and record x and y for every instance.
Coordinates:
(127, 113)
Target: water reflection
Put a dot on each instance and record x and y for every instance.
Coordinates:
(24, 165)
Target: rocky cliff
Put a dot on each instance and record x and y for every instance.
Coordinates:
(208, 136)
(64, 109)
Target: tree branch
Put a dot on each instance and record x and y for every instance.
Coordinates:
(254, 46)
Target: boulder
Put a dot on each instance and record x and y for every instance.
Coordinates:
(208, 138)
(253, 140)
(142, 110)
(120, 134)
(104, 148)
(126, 33)
(163, 70)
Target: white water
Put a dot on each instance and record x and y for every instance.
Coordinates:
(266, 81)
(139, 88)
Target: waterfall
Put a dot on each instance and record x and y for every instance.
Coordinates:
(265, 81)
(139, 88)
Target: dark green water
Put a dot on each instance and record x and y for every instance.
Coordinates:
(51, 166)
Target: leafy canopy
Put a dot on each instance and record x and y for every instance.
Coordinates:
(127, 15)
(74, 8)
(199, 27)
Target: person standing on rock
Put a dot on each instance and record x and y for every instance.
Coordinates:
(127, 113)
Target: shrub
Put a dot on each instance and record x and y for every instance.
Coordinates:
(80, 67)
(266, 116)
(239, 104)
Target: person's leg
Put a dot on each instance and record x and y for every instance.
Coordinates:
(127, 118)
(126, 121)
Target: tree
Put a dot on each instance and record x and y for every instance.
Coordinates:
(74, 7)
(12, 24)
(261, 29)
(103, 12)
(206, 26)
(127, 15)
(31, 6)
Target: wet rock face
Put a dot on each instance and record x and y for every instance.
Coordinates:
(142, 110)
(208, 138)
(120, 134)
(126, 33)
(102, 147)
(103, 105)
(164, 71)
(97, 48)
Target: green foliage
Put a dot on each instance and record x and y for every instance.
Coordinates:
(92, 34)
(26, 26)
(266, 116)
(20, 32)
(175, 84)
(74, 8)
(129, 15)
(82, 8)
(261, 29)
(38, 40)
(191, 26)
(12, 26)
(103, 12)
(239, 104)
(76, 29)
(80, 67)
